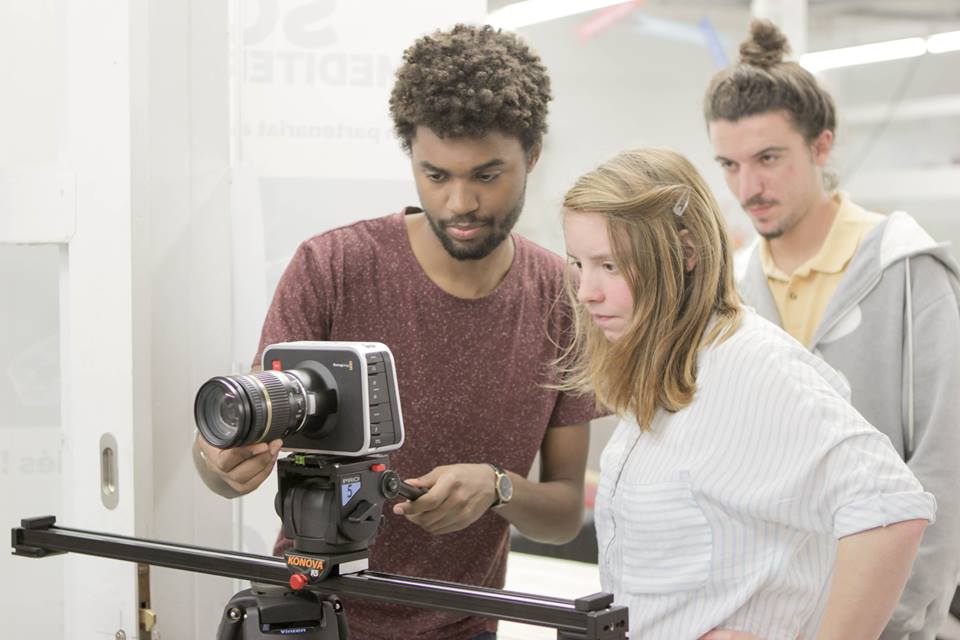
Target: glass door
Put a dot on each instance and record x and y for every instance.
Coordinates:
(30, 431)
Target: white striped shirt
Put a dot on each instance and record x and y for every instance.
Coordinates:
(727, 513)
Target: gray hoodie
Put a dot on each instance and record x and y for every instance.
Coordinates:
(892, 329)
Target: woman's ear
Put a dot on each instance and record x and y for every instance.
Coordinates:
(689, 252)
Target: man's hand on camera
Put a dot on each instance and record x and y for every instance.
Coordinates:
(458, 494)
(242, 469)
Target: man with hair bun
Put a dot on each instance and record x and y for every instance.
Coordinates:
(873, 295)
(470, 311)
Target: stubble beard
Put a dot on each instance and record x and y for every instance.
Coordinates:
(477, 251)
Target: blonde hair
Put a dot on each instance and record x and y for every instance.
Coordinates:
(655, 204)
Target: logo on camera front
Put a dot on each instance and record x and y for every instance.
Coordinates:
(341, 365)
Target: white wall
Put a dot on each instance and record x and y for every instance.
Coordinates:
(189, 282)
(621, 89)
(899, 138)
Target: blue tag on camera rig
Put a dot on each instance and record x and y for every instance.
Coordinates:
(349, 487)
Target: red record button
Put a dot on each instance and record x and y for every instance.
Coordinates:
(276, 365)
(298, 581)
(378, 467)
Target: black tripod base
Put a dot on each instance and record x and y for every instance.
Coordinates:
(269, 613)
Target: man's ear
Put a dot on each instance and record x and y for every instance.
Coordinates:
(821, 146)
(690, 257)
(533, 155)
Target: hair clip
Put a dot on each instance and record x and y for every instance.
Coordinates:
(681, 207)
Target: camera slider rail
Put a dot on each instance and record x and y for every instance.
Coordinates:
(593, 617)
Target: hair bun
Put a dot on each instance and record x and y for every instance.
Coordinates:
(766, 45)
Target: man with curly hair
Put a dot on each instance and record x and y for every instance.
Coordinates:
(472, 315)
(873, 295)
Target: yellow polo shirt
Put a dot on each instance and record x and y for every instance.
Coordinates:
(802, 296)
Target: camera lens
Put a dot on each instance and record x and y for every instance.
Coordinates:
(233, 411)
(222, 410)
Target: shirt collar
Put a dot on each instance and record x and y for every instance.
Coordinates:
(835, 252)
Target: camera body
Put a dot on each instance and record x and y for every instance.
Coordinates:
(325, 398)
(357, 384)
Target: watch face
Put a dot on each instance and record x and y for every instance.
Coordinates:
(505, 488)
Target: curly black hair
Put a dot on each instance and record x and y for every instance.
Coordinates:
(469, 81)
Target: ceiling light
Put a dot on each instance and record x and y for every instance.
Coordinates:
(943, 42)
(881, 51)
(863, 54)
(522, 14)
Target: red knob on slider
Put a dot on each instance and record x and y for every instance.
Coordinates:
(298, 581)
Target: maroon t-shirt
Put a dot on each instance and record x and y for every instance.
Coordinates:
(472, 376)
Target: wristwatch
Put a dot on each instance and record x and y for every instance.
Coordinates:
(503, 486)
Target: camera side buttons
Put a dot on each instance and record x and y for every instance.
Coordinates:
(382, 430)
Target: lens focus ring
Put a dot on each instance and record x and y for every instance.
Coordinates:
(278, 415)
(233, 411)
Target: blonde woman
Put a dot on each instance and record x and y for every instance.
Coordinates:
(741, 495)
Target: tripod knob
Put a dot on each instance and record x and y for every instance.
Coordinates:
(298, 581)
(392, 486)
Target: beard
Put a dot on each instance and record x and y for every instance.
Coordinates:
(498, 231)
(786, 224)
(772, 234)
(783, 225)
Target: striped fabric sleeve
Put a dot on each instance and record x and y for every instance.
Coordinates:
(818, 464)
(857, 480)
(884, 509)
(863, 481)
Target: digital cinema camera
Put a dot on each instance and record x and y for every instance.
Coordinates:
(331, 398)
(337, 408)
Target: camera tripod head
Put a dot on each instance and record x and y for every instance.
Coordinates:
(331, 507)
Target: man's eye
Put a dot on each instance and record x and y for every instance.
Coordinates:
(436, 177)
(487, 177)
(727, 165)
(767, 159)
(576, 264)
(609, 267)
